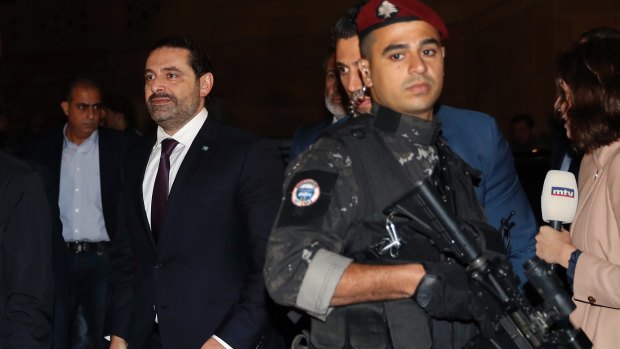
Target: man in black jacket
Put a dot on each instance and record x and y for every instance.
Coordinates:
(26, 291)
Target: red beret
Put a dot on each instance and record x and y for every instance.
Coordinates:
(379, 13)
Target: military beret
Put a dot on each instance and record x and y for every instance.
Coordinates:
(379, 13)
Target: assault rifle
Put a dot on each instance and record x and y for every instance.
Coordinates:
(517, 323)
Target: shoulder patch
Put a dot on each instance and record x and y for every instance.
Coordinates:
(305, 193)
(307, 198)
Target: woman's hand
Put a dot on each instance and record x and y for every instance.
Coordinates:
(554, 246)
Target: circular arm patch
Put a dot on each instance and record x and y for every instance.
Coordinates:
(305, 193)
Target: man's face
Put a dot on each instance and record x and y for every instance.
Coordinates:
(173, 93)
(347, 56)
(333, 100)
(83, 112)
(406, 67)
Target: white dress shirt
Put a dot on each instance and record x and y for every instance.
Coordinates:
(185, 136)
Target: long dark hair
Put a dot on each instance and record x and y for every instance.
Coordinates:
(591, 70)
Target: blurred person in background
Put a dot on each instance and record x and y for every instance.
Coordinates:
(118, 113)
(307, 134)
(523, 136)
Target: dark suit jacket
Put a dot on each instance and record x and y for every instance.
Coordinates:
(475, 137)
(204, 275)
(559, 147)
(26, 285)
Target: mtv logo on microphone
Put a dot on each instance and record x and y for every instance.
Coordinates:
(565, 192)
(559, 197)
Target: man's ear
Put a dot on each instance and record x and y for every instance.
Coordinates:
(65, 107)
(364, 66)
(206, 84)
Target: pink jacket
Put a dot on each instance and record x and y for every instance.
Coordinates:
(596, 232)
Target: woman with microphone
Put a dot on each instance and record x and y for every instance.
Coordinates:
(588, 88)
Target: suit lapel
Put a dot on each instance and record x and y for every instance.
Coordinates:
(196, 158)
(590, 181)
(105, 157)
(56, 154)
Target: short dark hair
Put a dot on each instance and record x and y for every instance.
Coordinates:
(198, 58)
(346, 27)
(591, 70)
(81, 82)
(366, 43)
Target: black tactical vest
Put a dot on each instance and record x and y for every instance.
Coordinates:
(402, 323)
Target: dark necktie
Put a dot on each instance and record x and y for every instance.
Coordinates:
(160, 188)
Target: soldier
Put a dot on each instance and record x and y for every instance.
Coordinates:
(335, 194)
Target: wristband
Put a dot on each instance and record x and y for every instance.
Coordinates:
(572, 265)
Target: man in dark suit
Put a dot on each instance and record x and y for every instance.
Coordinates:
(26, 287)
(84, 165)
(198, 201)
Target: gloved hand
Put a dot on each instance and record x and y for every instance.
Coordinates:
(447, 292)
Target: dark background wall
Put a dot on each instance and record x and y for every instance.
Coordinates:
(268, 54)
(501, 54)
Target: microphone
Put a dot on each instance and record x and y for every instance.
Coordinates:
(559, 198)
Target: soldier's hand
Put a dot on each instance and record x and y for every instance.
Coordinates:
(446, 292)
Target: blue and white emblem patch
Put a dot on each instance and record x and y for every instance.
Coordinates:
(305, 193)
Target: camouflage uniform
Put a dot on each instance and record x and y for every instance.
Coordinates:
(330, 210)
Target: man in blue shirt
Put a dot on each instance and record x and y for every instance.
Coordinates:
(84, 162)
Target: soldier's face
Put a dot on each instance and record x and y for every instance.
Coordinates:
(406, 67)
